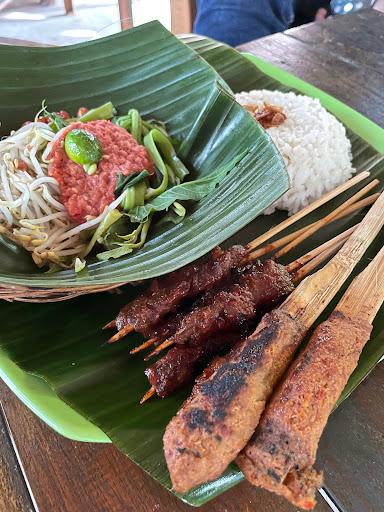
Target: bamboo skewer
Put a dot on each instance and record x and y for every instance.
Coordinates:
(288, 238)
(316, 292)
(120, 334)
(143, 346)
(151, 391)
(297, 237)
(300, 262)
(365, 294)
(308, 209)
(307, 269)
(110, 325)
(327, 219)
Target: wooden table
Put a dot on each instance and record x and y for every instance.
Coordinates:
(39, 470)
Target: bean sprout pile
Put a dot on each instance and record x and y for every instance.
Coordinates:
(31, 213)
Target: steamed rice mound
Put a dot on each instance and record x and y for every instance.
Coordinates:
(313, 143)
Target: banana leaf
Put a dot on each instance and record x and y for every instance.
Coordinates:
(63, 344)
(149, 69)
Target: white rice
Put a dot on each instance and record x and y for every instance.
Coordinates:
(313, 143)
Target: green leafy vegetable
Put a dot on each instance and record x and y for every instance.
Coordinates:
(105, 111)
(134, 196)
(192, 190)
(79, 265)
(175, 214)
(98, 235)
(164, 156)
(57, 122)
(129, 243)
(128, 181)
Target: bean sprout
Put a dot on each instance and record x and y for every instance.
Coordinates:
(31, 213)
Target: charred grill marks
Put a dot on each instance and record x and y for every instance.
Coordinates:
(231, 376)
(198, 418)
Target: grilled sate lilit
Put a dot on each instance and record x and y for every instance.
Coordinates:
(216, 422)
(280, 455)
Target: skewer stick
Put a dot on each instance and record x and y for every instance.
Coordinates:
(327, 219)
(315, 262)
(160, 348)
(110, 325)
(143, 346)
(365, 295)
(151, 391)
(288, 238)
(317, 291)
(120, 334)
(308, 209)
(295, 265)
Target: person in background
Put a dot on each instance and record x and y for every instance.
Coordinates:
(310, 10)
(238, 21)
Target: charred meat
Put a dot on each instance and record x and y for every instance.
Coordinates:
(263, 284)
(167, 293)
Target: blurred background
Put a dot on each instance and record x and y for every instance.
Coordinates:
(62, 22)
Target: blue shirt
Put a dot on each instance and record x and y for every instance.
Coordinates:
(238, 21)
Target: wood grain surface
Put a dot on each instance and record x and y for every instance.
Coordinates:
(68, 476)
(14, 495)
(345, 57)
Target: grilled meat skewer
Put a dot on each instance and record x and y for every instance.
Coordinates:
(180, 364)
(281, 453)
(221, 314)
(165, 294)
(263, 284)
(219, 418)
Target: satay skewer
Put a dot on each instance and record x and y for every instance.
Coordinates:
(161, 379)
(151, 391)
(319, 255)
(221, 415)
(281, 453)
(249, 247)
(143, 346)
(121, 333)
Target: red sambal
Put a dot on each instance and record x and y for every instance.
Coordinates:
(87, 195)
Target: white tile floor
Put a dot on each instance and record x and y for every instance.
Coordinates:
(27, 20)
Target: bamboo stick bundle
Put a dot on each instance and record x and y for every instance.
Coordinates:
(221, 415)
(281, 453)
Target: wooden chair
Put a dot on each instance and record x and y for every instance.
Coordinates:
(183, 13)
